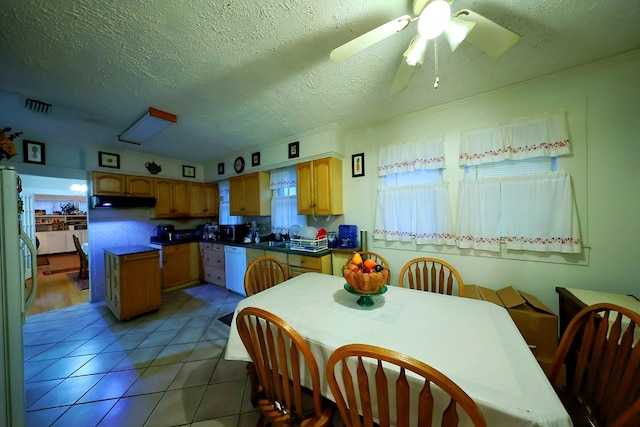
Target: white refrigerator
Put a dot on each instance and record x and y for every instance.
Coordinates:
(15, 299)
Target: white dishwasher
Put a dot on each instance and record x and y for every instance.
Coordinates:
(235, 265)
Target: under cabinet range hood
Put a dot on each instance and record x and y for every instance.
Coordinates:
(122, 202)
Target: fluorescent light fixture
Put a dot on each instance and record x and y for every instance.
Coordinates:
(79, 188)
(457, 31)
(434, 19)
(147, 126)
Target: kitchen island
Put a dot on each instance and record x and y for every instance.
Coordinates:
(132, 280)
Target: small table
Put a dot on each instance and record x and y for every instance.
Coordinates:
(473, 342)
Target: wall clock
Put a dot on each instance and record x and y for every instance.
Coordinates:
(238, 165)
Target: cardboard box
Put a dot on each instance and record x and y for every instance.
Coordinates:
(536, 322)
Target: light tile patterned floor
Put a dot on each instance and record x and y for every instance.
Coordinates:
(85, 368)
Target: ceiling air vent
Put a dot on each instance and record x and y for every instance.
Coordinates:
(38, 106)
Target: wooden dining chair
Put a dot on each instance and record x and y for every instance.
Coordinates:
(363, 377)
(282, 358)
(431, 274)
(84, 260)
(374, 256)
(263, 273)
(601, 357)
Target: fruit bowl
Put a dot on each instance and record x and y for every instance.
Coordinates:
(365, 283)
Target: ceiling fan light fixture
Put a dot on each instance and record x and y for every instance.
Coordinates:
(148, 125)
(434, 19)
(457, 31)
(416, 51)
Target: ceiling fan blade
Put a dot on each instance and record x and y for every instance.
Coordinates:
(486, 35)
(370, 38)
(403, 76)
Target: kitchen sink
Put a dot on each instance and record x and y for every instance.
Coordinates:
(271, 244)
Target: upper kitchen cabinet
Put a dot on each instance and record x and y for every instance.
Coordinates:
(113, 184)
(204, 199)
(250, 194)
(173, 198)
(320, 187)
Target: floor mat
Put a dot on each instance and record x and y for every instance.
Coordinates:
(81, 284)
(62, 270)
(43, 260)
(226, 319)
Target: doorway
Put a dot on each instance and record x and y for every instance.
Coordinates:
(55, 211)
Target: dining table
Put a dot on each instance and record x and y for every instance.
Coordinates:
(475, 343)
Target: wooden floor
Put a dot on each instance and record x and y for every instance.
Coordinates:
(56, 290)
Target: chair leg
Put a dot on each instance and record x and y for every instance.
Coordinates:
(255, 383)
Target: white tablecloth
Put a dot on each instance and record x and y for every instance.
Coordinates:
(473, 342)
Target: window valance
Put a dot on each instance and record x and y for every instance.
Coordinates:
(411, 156)
(547, 135)
(283, 178)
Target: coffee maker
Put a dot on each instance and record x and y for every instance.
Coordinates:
(162, 233)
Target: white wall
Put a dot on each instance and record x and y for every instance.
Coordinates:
(602, 101)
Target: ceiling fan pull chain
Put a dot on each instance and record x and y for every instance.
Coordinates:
(436, 83)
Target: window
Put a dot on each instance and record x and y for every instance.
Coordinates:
(284, 200)
(413, 202)
(224, 216)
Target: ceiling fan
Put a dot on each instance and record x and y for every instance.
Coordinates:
(434, 18)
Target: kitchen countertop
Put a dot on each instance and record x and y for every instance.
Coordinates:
(262, 246)
(128, 250)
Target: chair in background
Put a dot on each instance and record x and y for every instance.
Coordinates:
(281, 357)
(365, 389)
(84, 260)
(374, 256)
(431, 274)
(262, 274)
(602, 359)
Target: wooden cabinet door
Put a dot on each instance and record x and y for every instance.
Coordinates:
(327, 186)
(140, 186)
(108, 184)
(236, 196)
(211, 203)
(139, 290)
(251, 194)
(198, 199)
(175, 265)
(305, 188)
(182, 198)
(164, 198)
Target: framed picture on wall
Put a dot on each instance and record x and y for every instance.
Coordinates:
(357, 165)
(294, 150)
(108, 160)
(220, 168)
(255, 159)
(33, 152)
(188, 171)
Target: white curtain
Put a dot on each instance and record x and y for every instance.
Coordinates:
(478, 215)
(224, 214)
(547, 135)
(411, 156)
(539, 214)
(419, 212)
(284, 201)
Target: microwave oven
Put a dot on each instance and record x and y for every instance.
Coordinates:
(233, 233)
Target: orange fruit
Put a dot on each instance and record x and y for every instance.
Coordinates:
(353, 267)
(369, 264)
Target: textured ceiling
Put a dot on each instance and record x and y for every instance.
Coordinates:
(241, 74)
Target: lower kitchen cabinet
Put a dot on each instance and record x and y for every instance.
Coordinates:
(132, 280)
(212, 255)
(179, 265)
(300, 264)
(253, 254)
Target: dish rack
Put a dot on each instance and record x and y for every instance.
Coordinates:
(309, 245)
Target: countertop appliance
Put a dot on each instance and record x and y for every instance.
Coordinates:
(162, 233)
(14, 300)
(235, 265)
(234, 233)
